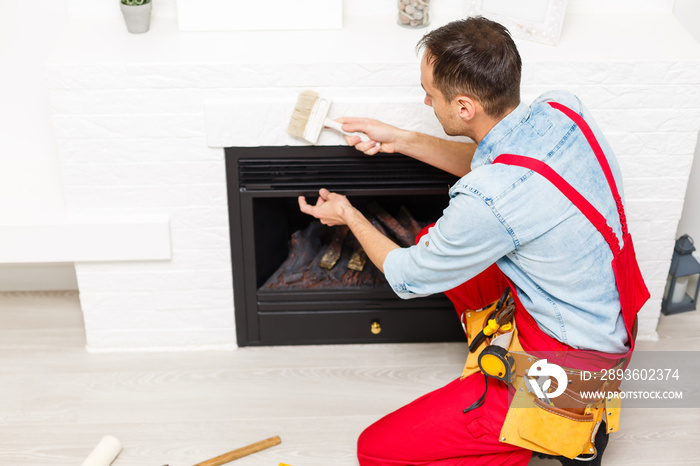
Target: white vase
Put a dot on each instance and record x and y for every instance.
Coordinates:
(137, 17)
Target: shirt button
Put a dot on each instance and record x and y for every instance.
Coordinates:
(427, 243)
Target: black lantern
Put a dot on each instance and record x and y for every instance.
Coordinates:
(683, 279)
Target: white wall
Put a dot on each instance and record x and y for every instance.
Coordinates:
(688, 13)
(30, 190)
(30, 186)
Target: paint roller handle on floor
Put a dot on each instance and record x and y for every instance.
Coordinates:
(104, 453)
(241, 452)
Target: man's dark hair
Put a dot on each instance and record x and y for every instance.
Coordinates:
(476, 57)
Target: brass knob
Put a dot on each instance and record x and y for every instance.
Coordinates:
(375, 328)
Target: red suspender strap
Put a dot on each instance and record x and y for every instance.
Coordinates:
(586, 208)
(630, 284)
(602, 160)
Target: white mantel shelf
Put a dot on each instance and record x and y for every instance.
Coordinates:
(140, 121)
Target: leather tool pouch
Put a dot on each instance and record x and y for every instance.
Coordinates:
(538, 426)
(533, 424)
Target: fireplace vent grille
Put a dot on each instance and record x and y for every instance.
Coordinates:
(361, 173)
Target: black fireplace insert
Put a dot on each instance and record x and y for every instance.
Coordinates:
(284, 291)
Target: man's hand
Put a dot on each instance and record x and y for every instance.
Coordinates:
(378, 132)
(335, 209)
(331, 208)
(450, 155)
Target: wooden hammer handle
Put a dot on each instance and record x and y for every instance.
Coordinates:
(241, 452)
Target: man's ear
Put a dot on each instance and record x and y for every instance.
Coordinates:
(466, 106)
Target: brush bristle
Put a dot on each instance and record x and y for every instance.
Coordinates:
(302, 112)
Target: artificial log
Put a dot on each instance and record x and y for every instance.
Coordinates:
(340, 276)
(332, 252)
(406, 219)
(377, 224)
(402, 235)
(358, 259)
(303, 246)
(302, 269)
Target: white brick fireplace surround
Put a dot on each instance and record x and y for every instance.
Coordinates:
(140, 122)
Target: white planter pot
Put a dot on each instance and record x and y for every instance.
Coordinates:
(137, 17)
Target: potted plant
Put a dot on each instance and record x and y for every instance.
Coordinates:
(137, 15)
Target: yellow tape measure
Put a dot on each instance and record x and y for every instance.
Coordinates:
(498, 363)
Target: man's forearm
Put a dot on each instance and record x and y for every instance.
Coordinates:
(451, 156)
(376, 245)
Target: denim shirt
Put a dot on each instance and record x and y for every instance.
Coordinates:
(515, 218)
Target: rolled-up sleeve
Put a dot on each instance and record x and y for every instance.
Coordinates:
(468, 238)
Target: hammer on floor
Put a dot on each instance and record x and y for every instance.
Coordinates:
(241, 452)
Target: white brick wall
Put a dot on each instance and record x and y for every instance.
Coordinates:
(132, 138)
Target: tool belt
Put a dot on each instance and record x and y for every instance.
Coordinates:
(565, 425)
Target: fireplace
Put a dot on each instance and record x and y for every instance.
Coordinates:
(346, 306)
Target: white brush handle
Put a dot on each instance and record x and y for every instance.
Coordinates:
(339, 127)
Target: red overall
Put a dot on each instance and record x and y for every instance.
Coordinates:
(433, 429)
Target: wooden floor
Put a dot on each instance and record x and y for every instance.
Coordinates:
(57, 401)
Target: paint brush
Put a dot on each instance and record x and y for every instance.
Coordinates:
(310, 115)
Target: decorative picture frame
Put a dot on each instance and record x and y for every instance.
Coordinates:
(536, 20)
